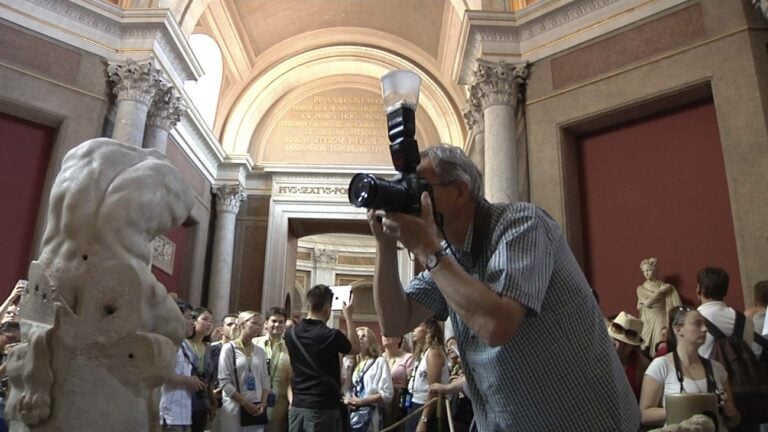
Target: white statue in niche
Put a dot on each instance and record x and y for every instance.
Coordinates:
(654, 300)
(99, 332)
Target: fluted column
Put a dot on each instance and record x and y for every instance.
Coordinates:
(164, 113)
(228, 199)
(499, 87)
(473, 116)
(135, 86)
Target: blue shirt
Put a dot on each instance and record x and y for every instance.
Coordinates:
(559, 371)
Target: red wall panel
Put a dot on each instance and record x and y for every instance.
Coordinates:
(25, 149)
(656, 187)
(173, 282)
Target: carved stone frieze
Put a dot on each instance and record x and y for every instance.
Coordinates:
(498, 83)
(167, 107)
(325, 256)
(558, 18)
(163, 253)
(229, 198)
(134, 80)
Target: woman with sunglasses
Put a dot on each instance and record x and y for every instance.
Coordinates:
(625, 330)
(682, 370)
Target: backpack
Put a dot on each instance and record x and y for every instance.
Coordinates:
(748, 379)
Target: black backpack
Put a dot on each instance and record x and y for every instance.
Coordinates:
(748, 378)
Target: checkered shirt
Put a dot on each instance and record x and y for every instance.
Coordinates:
(559, 371)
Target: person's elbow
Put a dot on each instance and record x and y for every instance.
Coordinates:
(500, 334)
(502, 326)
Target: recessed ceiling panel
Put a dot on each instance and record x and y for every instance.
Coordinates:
(269, 22)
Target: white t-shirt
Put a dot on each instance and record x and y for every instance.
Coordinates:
(662, 370)
(419, 385)
(724, 317)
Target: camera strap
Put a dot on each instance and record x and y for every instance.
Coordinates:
(711, 384)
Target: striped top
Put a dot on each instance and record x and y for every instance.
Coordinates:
(559, 371)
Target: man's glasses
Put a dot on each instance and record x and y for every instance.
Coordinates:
(630, 334)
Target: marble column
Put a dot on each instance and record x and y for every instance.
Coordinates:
(135, 86)
(325, 261)
(164, 113)
(499, 87)
(228, 200)
(473, 116)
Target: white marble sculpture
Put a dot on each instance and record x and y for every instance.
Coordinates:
(654, 300)
(100, 332)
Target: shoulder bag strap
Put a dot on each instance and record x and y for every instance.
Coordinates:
(309, 360)
(738, 326)
(711, 383)
(234, 367)
(186, 356)
(760, 340)
(712, 329)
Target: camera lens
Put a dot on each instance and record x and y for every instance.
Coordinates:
(362, 190)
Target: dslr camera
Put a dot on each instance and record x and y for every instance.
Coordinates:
(403, 193)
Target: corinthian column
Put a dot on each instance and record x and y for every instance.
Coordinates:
(164, 113)
(228, 199)
(473, 116)
(499, 87)
(135, 85)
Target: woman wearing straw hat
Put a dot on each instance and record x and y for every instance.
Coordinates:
(243, 375)
(684, 371)
(625, 331)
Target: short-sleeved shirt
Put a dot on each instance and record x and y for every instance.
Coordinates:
(724, 318)
(559, 371)
(323, 344)
(176, 400)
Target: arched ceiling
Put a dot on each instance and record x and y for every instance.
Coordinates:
(275, 48)
(268, 22)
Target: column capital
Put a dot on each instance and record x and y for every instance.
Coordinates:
(498, 83)
(134, 80)
(473, 113)
(229, 198)
(167, 106)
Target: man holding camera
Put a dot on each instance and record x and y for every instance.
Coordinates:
(536, 352)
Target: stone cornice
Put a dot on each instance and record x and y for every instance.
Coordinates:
(104, 29)
(546, 27)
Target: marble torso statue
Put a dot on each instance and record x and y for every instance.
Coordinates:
(654, 300)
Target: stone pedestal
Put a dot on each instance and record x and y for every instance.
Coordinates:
(135, 86)
(228, 200)
(497, 88)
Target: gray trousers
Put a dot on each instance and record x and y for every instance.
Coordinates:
(309, 420)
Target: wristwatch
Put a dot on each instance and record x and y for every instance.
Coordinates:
(433, 259)
(424, 419)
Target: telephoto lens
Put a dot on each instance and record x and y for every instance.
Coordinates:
(366, 190)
